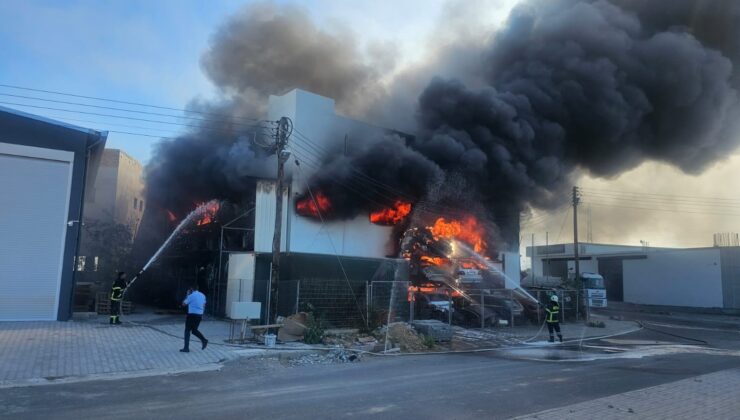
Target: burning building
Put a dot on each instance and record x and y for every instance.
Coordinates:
(563, 88)
(333, 246)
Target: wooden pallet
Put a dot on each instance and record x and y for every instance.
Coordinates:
(102, 306)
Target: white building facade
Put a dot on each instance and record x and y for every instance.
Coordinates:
(693, 277)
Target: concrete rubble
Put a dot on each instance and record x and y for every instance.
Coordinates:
(435, 329)
(337, 355)
(401, 335)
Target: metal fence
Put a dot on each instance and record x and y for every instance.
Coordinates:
(337, 303)
(343, 304)
(571, 304)
(387, 302)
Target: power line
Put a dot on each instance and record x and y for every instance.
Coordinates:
(123, 117)
(122, 109)
(663, 201)
(674, 210)
(640, 194)
(123, 102)
(331, 241)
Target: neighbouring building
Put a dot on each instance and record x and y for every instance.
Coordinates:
(693, 277)
(118, 193)
(46, 167)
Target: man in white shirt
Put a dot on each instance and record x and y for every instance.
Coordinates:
(196, 303)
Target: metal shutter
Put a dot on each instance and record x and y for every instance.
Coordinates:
(34, 201)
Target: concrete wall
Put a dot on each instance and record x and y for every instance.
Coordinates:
(118, 194)
(590, 265)
(689, 277)
(318, 129)
(264, 217)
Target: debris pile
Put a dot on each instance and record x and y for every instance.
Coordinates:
(337, 355)
(351, 339)
(402, 336)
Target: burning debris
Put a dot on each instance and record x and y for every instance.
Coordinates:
(467, 230)
(210, 210)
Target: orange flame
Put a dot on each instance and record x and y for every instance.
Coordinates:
(434, 260)
(468, 231)
(392, 215)
(310, 208)
(472, 264)
(209, 214)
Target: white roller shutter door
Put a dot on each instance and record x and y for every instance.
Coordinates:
(34, 202)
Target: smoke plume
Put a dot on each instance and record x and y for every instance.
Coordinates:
(565, 85)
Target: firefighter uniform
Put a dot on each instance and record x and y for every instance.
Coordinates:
(552, 311)
(116, 296)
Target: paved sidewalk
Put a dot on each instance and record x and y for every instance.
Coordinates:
(713, 396)
(40, 352)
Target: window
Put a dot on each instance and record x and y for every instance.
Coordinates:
(141, 205)
(136, 203)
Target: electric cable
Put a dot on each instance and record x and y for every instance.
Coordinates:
(331, 241)
(119, 109)
(123, 117)
(122, 102)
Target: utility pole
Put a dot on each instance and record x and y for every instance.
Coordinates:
(576, 200)
(284, 129)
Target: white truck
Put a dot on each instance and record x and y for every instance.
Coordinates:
(595, 291)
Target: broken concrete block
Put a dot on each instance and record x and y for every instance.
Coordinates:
(438, 330)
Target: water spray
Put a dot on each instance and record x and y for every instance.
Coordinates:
(195, 214)
(509, 283)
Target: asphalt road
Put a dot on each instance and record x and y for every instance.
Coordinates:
(456, 386)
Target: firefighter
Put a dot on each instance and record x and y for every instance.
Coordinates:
(553, 318)
(116, 296)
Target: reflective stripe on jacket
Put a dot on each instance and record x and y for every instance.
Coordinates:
(116, 293)
(553, 313)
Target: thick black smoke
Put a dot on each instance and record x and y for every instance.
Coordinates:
(219, 159)
(585, 84)
(566, 85)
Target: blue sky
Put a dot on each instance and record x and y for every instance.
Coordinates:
(149, 51)
(139, 51)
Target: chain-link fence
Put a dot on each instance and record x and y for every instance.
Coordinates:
(338, 303)
(571, 304)
(343, 304)
(387, 302)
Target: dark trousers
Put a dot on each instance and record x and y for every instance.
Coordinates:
(191, 325)
(115, 309)
(554, 326)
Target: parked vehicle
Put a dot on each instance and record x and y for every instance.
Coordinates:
(594, 290)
